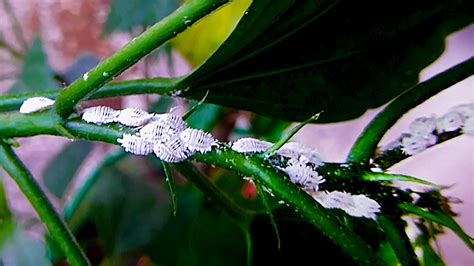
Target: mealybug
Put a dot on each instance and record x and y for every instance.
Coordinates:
(136, 145)
(196, 140)
(251, 145)
(100, 115)
(35, 104)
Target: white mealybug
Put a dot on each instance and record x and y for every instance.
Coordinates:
(136, 145)
(196, 140)
(100, 115)
(468, 127)
(451, 121)
(156, 131)
(466, 110)
(301, 152)
(302, 174)
(35, 104)
(171, 151)
(422, 126)
(354, 205)
(413, 144)
(133, 117)
(173, 122)
(251, 145)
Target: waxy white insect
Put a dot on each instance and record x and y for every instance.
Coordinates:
(301, 152)
(100, 115)
(466, 110)
(413, 144)
(171, 151)
(134, 117)
(35, 104)
(156, 131)
(136, 145)
(451, 121)
(251, 145)
(422, 126)
(302, 174)
(354, 205)
(468, 127)
(196, 140)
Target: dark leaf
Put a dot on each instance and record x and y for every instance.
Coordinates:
(62, 168)
(36, 74)
(292, 59)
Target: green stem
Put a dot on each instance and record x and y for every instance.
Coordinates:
(223, 157)
(141, 46)
(30, 188)
(396, 236)
(367, 142)
(131, 87)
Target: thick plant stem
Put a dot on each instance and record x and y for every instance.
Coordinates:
(138, 48)
(223, 157)
(30, 188)
(367, 142)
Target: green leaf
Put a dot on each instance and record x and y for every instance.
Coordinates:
(36, 74)
(16, 248)
(268, 128)
(4, 210)
(206, 117)
(171, 185)
(125, 15)
(127, 210)
(292, 59)
(199, 235)
(441, 218)
(385, 177)
(62, 168)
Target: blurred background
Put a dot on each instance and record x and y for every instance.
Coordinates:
(62, 39)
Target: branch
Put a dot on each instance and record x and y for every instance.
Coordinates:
(138, 48)
(367, 142)
(30, 188)
(124, 88)
(260, 169)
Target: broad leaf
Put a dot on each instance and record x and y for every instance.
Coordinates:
(203, 38)
(127, 210)
(291, 59)
(16, 248)
(199, 235)
(126, 15)
(36, 74)
(63, 167)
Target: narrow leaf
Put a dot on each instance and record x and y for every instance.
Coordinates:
(269, 212)
(63, 167)
(171, 185)
(440, 218)
(384, 177)
(289, 135)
